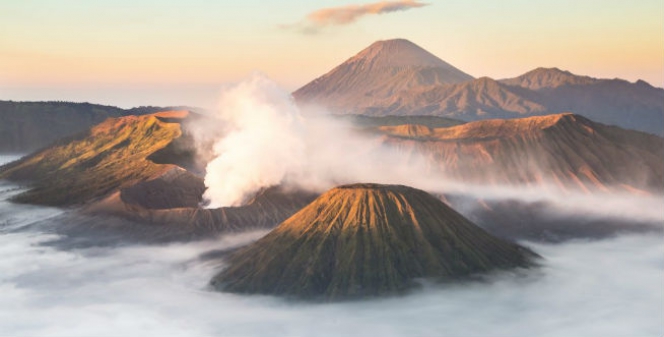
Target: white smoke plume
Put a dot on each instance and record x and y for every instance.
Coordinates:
(262, 141)
(138, 290)
(266, 140)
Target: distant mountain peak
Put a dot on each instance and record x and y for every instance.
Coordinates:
(397, 53)
(643, 83)
(378, 72)
(541, 70)
(547, 78)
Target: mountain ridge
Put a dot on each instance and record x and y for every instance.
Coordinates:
(29, 125)
(567, 150)
(541, 91)
(548, 78)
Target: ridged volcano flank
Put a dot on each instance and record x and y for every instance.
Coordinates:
(565, 149)
(366, 240)
(380, 71)
(398, 53)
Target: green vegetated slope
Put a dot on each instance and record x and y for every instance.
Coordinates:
(367, 240)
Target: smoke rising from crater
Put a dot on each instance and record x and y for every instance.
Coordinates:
(584, 288)
(266, 140)
(263, 139)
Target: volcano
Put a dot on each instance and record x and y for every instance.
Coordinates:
(566, 150)
(376, 73)
(367, 240)
(143, 169)
(398, 78)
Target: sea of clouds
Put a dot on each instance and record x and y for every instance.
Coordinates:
(607, 287)
(610, 287)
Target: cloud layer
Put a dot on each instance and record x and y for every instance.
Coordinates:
(343, 15)
(161, 290)
(351, 13)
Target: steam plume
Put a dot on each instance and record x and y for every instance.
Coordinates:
(262, 141)
(266, 140)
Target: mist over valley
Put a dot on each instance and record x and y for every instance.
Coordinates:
(394, 195)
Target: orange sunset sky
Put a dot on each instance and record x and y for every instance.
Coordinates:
(175, 52)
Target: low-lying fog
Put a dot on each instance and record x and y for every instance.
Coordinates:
(610, 287)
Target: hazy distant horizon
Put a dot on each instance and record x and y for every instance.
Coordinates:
(126, 54)
(200, 95)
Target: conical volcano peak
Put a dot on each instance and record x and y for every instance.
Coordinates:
(367, 240)
(376, 73)
(398, 53)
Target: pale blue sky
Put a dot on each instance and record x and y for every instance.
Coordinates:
(172, 51)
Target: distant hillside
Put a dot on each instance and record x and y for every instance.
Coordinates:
(637, 106)
(27, 126)
(396, 77)
(374, 121)
(564, 149)
(477, 99)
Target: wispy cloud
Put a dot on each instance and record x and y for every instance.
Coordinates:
(343, 15)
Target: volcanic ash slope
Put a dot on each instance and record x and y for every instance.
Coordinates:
(366, 240)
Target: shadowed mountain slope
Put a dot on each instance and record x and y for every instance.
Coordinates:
(378, 72)
(27, 126)
(107, 157)
(470, 100)
(133, 167)
(396, 77)
(366, 240)
(548, 78)
(564, 149)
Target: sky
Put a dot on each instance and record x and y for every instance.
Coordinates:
(182, 52)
